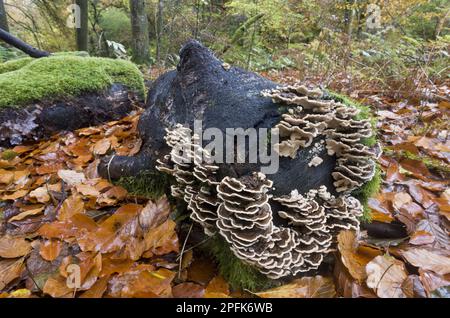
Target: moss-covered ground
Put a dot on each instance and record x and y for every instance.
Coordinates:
(27, 80)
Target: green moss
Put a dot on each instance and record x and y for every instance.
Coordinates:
(367, 191)
(372, 187)
(146, 184)
(68, 74)
(9, 155)
(238, 274)
(365, 113)
(14, 65)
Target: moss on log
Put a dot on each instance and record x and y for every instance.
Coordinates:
(28, 80)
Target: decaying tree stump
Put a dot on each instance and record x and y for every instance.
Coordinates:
(282, 223)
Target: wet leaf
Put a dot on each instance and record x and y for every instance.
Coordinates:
(306, 287)
(32, 212)
(102, 146)
(98, 289)
(71, 206)
(440, 236)
(347, 286)
(72, 178)
(413, 288)
(421, 238)
(353, 257)
(432, 281)
(142, 282)
(40, 195)
(385, 275)
(13, 247)
(154, 213)
(217, 288)
(188, 290)
(50, 250)
(428, 260)
(6, 177)
(10, 269)
(56, 287)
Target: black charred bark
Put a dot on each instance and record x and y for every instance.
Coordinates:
(204, 88)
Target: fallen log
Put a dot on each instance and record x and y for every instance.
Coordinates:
(21, 45)
(282, 222)
(64, 92)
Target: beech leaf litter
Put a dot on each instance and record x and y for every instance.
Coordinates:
(65, 232)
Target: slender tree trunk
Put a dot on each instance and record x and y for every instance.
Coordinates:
(440, 24)
(349, 17)
(3, 17)
(159, 30)
(140, 34)
(82, 32)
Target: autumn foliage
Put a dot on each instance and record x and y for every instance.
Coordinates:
(57, 212)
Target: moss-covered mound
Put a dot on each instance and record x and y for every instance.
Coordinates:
(27, 80)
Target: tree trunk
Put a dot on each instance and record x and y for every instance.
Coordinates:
(440, 24)
(19, 44)
(348, 17)
(139, 28)
(3, 17)
(83, 29)
(159, 30)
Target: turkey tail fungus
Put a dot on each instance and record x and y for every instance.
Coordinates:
(282, 224)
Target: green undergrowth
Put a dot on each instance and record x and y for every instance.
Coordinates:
(147, 184)
(27, 80)
(8, 155)
(238, 274)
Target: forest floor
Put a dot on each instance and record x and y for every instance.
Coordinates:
(56, 211)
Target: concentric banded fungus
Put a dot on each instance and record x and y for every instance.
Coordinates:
(186, 162)
(312, 117)
(241, 209)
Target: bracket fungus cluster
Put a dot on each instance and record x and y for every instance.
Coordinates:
(311, 117)
(283, 223)
(242, 210)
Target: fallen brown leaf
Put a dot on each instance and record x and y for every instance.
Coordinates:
(217, 288)
(385, 275)
(427, 260)
(188, 290)
(50, 250)
(306, 287)
(353, 257)
(10, 269)
(13, 247)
